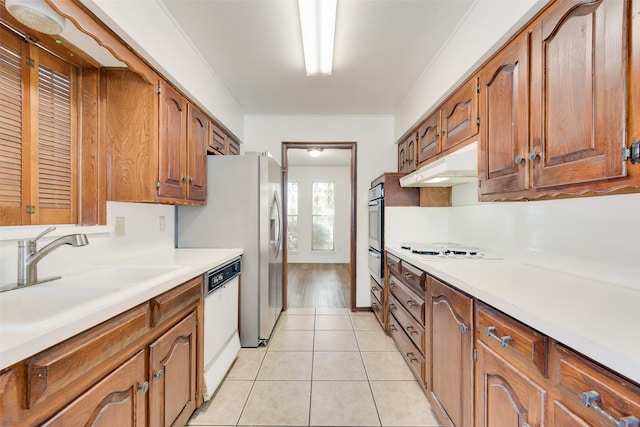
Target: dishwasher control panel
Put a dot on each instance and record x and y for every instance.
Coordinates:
(221, 275)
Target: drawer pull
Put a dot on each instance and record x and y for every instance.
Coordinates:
(591, 398)
(504, 341)
(144, 387)
(411, 330)
(393, 328)
(375, 288)
(374, 305)
(393, 287)
(411, 357)
(411, 303)
(408, 276)
(392, 307)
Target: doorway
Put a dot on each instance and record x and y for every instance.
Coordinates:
(352, 173)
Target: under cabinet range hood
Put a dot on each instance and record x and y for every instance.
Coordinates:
(459, 167)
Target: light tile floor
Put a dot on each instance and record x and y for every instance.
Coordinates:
(322, 367)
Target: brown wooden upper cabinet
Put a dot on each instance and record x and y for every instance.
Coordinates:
(407, 154)
(402, 156)
(455, 122)
(221, 144)
(156, 142)
(573, 136)
(578, 89)
(504, 100)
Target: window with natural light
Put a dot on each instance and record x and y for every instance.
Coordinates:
(323, 213)
(292, 216)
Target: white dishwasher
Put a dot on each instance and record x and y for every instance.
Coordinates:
(221, 339)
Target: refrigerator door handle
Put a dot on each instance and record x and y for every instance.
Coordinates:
(277, 224)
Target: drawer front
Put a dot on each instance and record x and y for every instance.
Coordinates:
(409, 351)
(414, 277)
(75, 364)
(411, 326)
(579, 380)
(377, 307)
(512, 339)
(409, 300)
(376, 289)
(393, 262)
(176, 300)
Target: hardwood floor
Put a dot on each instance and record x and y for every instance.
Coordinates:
(318, 285)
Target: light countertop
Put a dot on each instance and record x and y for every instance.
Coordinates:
(110, 289)
(595, 318)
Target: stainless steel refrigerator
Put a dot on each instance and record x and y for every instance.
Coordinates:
(244, 210)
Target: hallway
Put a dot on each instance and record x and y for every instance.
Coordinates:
(318, 285)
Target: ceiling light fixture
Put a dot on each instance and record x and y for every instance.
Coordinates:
(318, 26)
(315, 152)
(37, 15)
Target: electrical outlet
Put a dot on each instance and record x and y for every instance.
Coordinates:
(119, 226)
(161, 223)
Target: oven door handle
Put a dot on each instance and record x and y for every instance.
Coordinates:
(375, 254)
(374, 202)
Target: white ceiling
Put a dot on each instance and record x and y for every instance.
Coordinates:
(255, 49)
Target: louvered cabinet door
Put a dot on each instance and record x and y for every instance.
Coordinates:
(54, 183)
(38, 135)
(12, 152)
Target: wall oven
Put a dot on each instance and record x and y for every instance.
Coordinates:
(376, 231)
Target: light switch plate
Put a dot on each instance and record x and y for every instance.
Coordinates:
(119, 226)
(161, 223)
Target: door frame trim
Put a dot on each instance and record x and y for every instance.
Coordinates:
(286, 146)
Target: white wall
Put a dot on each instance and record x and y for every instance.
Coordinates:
(376, 154)
(305, 176)
(149, 29)
(142, 235)
(487, 25)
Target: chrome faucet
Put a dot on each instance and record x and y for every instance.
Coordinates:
(29, 256)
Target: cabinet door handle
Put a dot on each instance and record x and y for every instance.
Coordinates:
(591, 399)
(184, 179)
(192, 180)
(532, 155)
(374, 288)
(374, 305)
(393, 328)
(392, 307)
(518, 159)
(504, 341)
(411, 330)
(392, 286)
(158, 374)
(411, 357)
(144, 387)
(411, 303)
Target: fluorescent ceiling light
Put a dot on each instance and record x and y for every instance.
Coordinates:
(318, 25)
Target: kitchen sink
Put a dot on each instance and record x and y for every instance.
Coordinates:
(29, 308)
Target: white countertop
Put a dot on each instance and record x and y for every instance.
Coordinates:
(595, 318)
(120, 287)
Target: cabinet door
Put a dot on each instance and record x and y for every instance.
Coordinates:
(460, 115)
(429, 137)
(218, 141)
(450, 378)
(197, 143)
(402, 156)
(117, 400)
(9, 400)
(234, 147)
(505, 397)
(172, 143)
(172, 365)
(412, 151)
(578, 92)
(504, 101)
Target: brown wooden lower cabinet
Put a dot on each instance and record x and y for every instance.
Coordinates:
(515, 375)
(117, 400)
(505, 396)
(450, 332)
(172, 397)
(127, 371)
